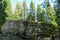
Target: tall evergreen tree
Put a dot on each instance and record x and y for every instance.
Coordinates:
(3, 14)
(32, 11)
(18, 11)
(8, 9)
(58, 12)
(25, 10)
(51, 14)
(40, 14)
(57, 9)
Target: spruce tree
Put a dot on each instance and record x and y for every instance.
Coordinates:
(32, 11)
(40, 14)
(51, 14)
(8, 9)
(25, 10)
(57, 9)
(3, 14)
(18, 11)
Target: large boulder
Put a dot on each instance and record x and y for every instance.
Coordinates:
(9, 37)
(12, 26)
(9, 26)
(20, 26)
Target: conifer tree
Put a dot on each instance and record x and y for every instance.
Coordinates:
(31, 15)
(3, 14)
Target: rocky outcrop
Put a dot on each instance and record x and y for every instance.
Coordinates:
(23, 29)
(9, 37)
(9, 26)
(12, 26)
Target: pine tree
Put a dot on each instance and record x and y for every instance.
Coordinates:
(57, 9)
(3, 14)
(31, 15)
(58, 12)
(51, 14)
(8, 9)
(25, 10)
(18, 11)
(40, 14)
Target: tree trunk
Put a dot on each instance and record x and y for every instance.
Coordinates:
(0, 29)
(59, 33)
(52, 37)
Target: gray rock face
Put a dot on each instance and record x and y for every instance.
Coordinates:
(9, 37)
(9, 26)
(18, 30)
(12, 26)
(21, 27)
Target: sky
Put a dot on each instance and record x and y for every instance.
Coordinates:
(13, 2)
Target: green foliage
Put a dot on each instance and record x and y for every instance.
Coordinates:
(8, 8)
(31, 15)
(32, 6)
(0, 0)
(51, 14)
(18, 11)
(23, 10)
(14, 16)
(48, 27)
(40, 14)
(58, 13)
(24, 4)
(3, 14)
(58, 16)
